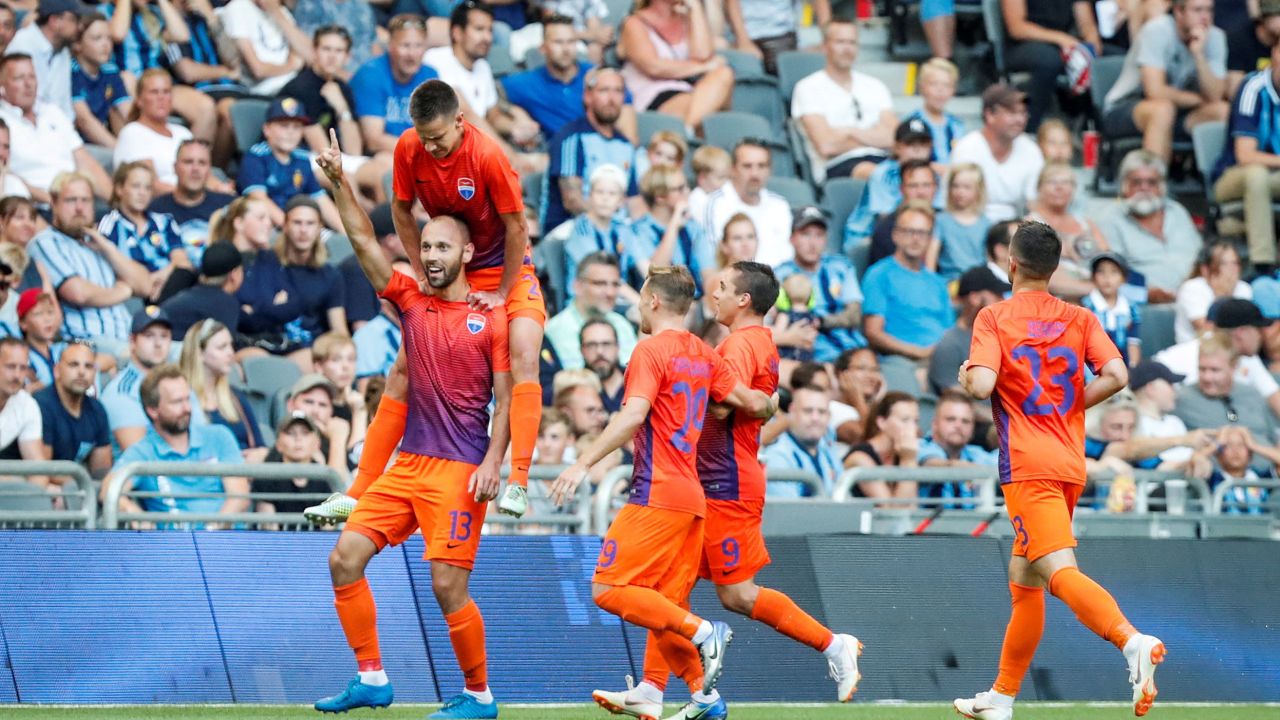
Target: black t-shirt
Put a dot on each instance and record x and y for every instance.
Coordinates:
(361, 302)
(199, 302)
(1244, 49)
(213, 202)
(1052, 14)
(73, 438)
(305, 88)
(316, 487)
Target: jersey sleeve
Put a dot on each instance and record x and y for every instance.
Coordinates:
(101, 425)
(400, 290)
(172, 238)
(724, 378)
(503, 183)
(984, 350)
(1099, 349)
(501, 342)
(738, 357)
(253, 174)
(644, 374)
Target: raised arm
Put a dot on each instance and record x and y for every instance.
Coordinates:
(355, 221)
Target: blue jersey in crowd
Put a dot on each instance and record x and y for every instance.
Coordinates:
(835, 287)
(692, 249)
(576, 151)
(99, 92)
(152, 246)
(262, 171)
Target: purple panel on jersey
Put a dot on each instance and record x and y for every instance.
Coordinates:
(717, 463)
(642, 472)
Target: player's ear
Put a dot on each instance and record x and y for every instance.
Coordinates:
(467, 251)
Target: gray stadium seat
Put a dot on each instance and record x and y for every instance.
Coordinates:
(648, 123)
(839, 197)
(794, 190)
(798, 151)
(725, 129)
(860, 254)
(1157, 328)
(892, 74)
(993, 21)
(759, 96)
(549, 256)
(1111, 150)
(338, 245)
(617, 11)
(500, 61)
(247, 117)
(745, 65)
(900, 375)
(532, 186)
(19, 495)
(794, 66)
(264, 378)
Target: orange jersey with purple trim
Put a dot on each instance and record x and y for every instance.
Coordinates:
(728, 452)
(475, 183)
(1038, 345)
(678, 374)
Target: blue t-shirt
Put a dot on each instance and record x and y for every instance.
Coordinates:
(377, 343)
(151, 246)
(963, 246)
(915, 305)
(101, 92)
(788, 454)
(261, 170)
(378, 94)
(72, 438)
(882, 195)
(1256, 114)
(1266, 295)
(835, 287)
(585, 238)
(576, 151)
(42, 365)
(692, 249)
(207, 444)
(551, 103)
(144, 47)
(945, 134)
(122, 400)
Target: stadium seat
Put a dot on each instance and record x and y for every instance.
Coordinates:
(388, 183)
(264, 377)
(1157, 328)
(860, 254)
(1106, 70)
(794, 66)
(338, 245)
(794, 190)
(617, 11)
(500, 61)
(549, 256)
(892, 74)
(839, 197)
(759, 96)
(648, 123)
(247, 118)
(725, 129)
(798, 151)
(105, 156)
(532, 186)
(1209, 139)
(745, 65)
(533, 58)
(900, 375)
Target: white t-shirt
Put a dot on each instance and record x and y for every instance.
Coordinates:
(1194, 298)
(39, 151)
(1165, 427)
(772, 218)
(841, 414)
(244, 20)
(1184, 359)
(139, 142)
(1010, 184)
(13, 185)
(53, 69)
(20, 420)
(860, 107)
(476, 85)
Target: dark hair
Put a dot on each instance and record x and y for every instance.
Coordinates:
(758, 281)
(462, 12)
(805, 372)
(12, 58)
(12, 342)
(9, 206)
(882, 410)
(432, 100)
(998, 235)
(910, 166)
(845, 360)
(338, 30)
(594, 319)
(150, 390)
(3, 125)
(196, 142)
(751, 142)
(1037, 248)
(86, 21)
(674, 284)
(597, 258)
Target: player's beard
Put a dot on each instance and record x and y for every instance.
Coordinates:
(448, 274)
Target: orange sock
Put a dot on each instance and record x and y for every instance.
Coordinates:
(1094, 607)
(656, 669)
(359, 617)
(781, 613)
(466, 633)
(681, 656)
(379, 442)
(526, 415)
(1026, 625)
(649, 609)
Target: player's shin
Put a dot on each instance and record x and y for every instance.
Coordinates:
(1021, 637)
(526, 414)
(466, 634)
(781, 613)
(678, 654)
(359, 617)
(656, 669)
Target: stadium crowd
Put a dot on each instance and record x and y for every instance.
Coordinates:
(151, 257)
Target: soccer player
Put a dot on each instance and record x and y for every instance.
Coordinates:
(733, 480)
(1027, 356)
(452, 168)
(649, 559)
(448, 466)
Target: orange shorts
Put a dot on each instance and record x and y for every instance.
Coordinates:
(733, 548)
(525, 298)
(654, 548)
(425, 492)
(1041, 512)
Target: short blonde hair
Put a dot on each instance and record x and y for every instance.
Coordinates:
(569, 379)
(959, 169)
(63, 179)
(943, 66)
(1216, 341)
(14, 256)
(710, 158)
(658, 180)
(328, 344)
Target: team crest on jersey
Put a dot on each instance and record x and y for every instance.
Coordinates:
(475, 323)
(466, 188)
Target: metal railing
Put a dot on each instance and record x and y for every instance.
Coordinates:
(1218, 505)
(983, 478)
(575, 518)
(85, 516)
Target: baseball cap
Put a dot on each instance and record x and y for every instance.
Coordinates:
(310, 382)
(1002, 95)
(977, 279)
(912, 131)
(301, 200)
(1149, 371)
(57, 7)
(383, 225)
(293, 419)
(807, 215)
(1108, 257)
(29, 299)
(1236, 313)
(219, 259)
(287, 108)
(148, 316)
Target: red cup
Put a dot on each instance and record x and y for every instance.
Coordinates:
(1091, 142)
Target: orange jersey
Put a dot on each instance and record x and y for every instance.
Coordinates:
(474, 183)
(677, 373)
(1035, 343)
(728, 453)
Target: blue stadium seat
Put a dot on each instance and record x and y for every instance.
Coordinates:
(648, 123)
(794, 66)
(745, 65)
(839, 197)
(264, 377)
(247, 118)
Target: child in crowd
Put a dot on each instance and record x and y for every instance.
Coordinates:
(1054, 139)
(1119, 317)
(39, 319)
(665, 148)
(602, 228)
(334, 356)
(911, 141)
(98, 93)
(276, 170)
(150, 239)
(1236, 449)
(711, 170)
(937, 86)
(960, 232)
(795, 305)
(555, 439)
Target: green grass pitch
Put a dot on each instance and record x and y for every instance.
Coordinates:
(742, 711)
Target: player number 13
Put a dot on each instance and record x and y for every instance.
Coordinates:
(1032, 405)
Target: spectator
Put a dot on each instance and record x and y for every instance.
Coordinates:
(1174, 78)
(805, 446)
(1055, 142)
(1250, 161)
(208, 359)
(1114, 443)
(1214, 400)
(377, 344)
(213, 295)
(1041, 42)
(1119, 317)
(998, 239)
(8, 27)
(1082, 241)
(21, 426)
(711, 171)
(38, 318)
(912, 146)
(13, 263)
(555, 439)
(383, 85)
(100, 102)
(669, 61)
(907, 308)
(192, 202)
(335, 358)
(297, 442)
(1217, 277)
(276, 171)
(1244, 325)
(595, 293)
(665, 148)
(1250, 41)
(746, 193)
(601, 227)
(961, 231)
(938, 78)
(209, 62)
(313, 395)
(150, 137)
(949, 444)
(978, 288)
(859, 385)
(551, 93)
(17, 227)
(1152, 231)
(738, 243)
(357, 21)
(583, 145)
(271, 45)
(75, 424)
(846, 116)
(918, 184)
(10, 184)
(92, 275)
(836, 299)
(44, 136)
(245, 223)
(599, 343)
(581, 404)
(1155, 397)
(1236, 449)
(48, 41)
(172, 437)
(1010, 161)
(667, 235)
(150, 341)
(149, 239)
(891, 438)
(765, 28)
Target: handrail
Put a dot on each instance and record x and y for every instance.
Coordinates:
(579, 519)
(805, 477)
(88, 512)
(605, 496)
(1226, 486)
(111, 515)
(983, 477)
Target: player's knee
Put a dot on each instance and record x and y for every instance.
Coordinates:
(345, 567)
(739, 598)
(450, 589)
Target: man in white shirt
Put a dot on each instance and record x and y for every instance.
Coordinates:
(21, 429)
(48, 42)
(846, 117)
(1010, 160)
(1156, 397)
(42, 138)
(746, 193)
